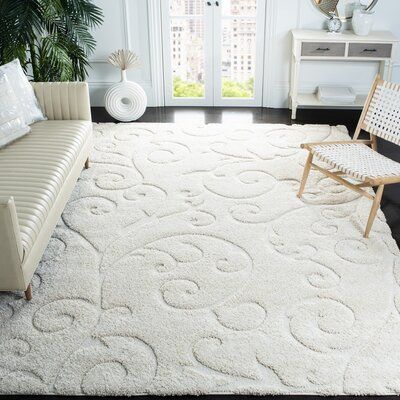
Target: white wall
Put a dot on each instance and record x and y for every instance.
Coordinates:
(127, 26)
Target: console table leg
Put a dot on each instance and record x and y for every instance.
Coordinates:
(390, 71)
(294, 111)
(382, 69)
(295, 85)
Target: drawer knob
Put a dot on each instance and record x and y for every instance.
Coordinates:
(370, 50)
(323, 49)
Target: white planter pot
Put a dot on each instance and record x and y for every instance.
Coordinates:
(362, 22)
(125, 101)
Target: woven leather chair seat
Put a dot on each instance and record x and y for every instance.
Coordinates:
(357, 160)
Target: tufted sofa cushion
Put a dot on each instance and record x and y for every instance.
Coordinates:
(34, 169)
(63, 100)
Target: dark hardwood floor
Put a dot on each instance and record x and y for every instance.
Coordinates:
(349, 118)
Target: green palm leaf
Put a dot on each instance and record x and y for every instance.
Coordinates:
(52, 38)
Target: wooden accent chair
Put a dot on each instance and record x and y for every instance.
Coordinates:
(380, 118)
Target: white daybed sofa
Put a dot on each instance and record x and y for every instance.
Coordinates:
(37, 175)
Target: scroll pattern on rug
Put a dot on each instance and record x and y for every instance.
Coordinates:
(184, 263)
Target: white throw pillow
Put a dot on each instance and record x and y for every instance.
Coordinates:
(12, 123)
(23, 90)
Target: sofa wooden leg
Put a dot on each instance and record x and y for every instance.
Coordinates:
(28, 292)
(87, 163)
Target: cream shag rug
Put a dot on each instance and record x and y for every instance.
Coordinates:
(185, 263)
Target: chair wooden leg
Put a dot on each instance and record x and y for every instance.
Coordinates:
(306, 172)
(374, 143)
(87, 163)
(28, 292)
(374, 210)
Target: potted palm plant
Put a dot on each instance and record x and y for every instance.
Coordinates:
(51, 38)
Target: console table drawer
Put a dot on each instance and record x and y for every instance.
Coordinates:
(378, 50)
(321, 49)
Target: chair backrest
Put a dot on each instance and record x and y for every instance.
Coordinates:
(381, 114)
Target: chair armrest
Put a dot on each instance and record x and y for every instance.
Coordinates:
(11, 275)
(64, 100)
(308, 146)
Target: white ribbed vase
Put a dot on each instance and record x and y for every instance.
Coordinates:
(125, 101)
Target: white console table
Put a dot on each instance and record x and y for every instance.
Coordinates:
(316, 45)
